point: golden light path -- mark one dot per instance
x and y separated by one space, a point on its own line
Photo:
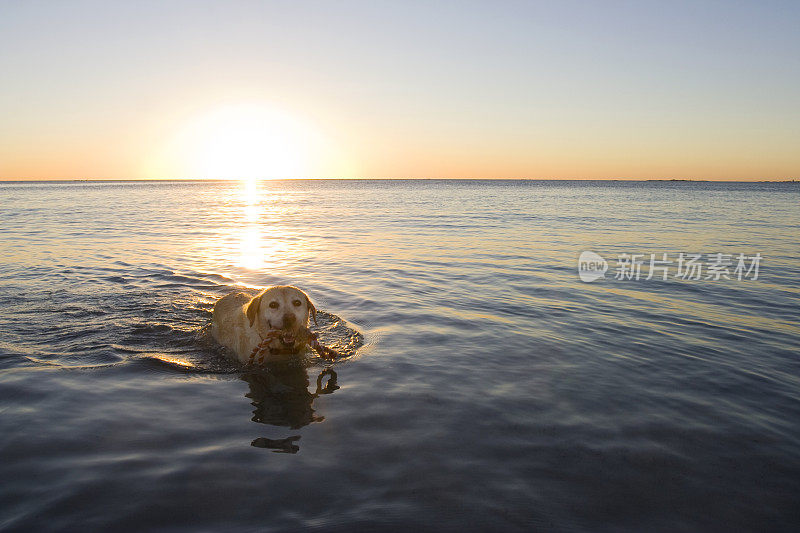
262 241
246 232
252 249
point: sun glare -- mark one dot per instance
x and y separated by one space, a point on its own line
247 141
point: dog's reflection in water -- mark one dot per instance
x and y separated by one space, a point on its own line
280 395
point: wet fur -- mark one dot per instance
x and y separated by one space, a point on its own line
240 321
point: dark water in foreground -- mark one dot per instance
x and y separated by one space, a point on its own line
486 388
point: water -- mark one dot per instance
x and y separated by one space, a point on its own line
485 388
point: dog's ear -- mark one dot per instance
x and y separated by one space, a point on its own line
311 309
252 308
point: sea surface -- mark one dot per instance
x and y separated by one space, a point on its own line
482 385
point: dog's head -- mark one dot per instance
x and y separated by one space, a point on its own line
282 308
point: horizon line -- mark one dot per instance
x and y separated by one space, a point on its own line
728 180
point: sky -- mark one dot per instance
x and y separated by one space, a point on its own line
404 89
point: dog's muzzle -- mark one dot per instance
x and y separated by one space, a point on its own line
288 332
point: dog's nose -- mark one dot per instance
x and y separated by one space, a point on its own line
288 320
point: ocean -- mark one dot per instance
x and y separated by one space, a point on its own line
484 385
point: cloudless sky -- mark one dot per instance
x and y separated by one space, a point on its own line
594 89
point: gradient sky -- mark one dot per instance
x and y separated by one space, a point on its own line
596 89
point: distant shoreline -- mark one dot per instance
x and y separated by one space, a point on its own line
210 180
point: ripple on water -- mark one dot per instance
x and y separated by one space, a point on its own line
485 388
169 326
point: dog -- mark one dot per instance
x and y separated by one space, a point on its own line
273 323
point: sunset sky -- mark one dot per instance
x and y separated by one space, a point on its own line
374 89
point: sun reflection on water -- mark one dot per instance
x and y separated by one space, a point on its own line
251 255
251 231
252 251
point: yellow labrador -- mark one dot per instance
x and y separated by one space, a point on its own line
273 324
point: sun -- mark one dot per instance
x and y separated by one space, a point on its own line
244 141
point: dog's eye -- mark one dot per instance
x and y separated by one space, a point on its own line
297 303
273 305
